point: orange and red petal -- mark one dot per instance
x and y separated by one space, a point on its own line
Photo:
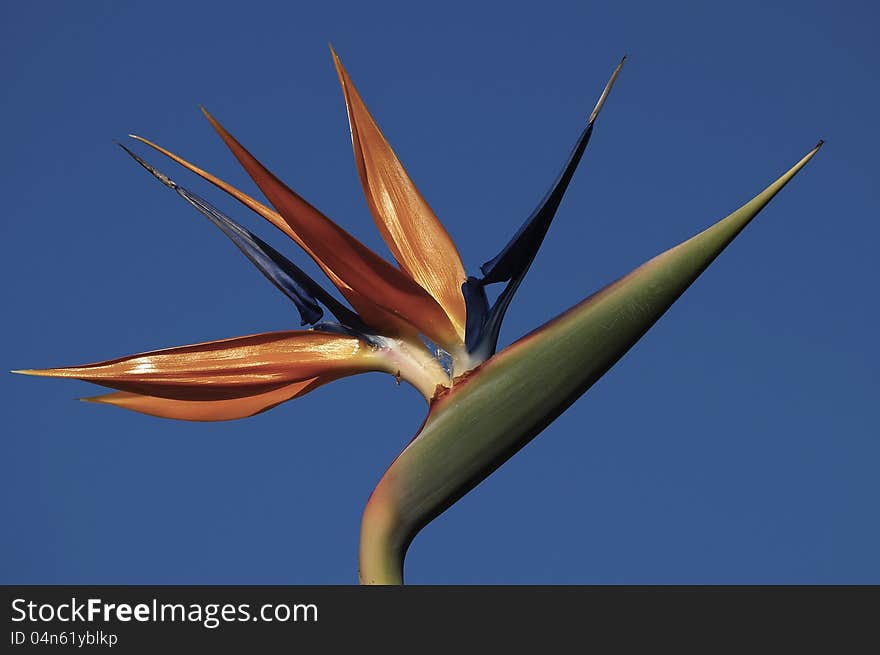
418 241
229 368
208 410
355 264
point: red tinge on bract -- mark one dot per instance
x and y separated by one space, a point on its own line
229 368
418 241
358 266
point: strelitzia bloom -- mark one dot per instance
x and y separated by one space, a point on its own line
425 322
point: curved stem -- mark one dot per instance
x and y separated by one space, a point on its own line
381 553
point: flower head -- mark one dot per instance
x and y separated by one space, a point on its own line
391 312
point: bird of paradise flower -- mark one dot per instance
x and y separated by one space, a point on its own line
426 323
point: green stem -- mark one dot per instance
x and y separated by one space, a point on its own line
381 549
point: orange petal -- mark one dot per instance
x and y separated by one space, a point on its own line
416 238
372 314
229 368
208 410
358 266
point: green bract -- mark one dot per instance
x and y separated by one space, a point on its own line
500 406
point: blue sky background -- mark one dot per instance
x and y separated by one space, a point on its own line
737 443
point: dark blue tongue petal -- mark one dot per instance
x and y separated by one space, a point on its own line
515 258
513 262
477 306
280 271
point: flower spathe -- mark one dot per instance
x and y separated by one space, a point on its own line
392 309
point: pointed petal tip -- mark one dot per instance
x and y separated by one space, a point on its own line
606 91
340 71
40 372
810 154
215 123
143 140
130 153
207 114
164 179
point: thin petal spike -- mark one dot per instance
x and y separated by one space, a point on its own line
360 268
285 274
269 214
418 241
280 271
515 258
607 90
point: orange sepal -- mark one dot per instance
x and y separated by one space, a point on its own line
229 368
208 410
358 266
418 241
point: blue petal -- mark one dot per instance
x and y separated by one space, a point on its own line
274 266
515 259
488 342
519 252
477 306
280 271
513 262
